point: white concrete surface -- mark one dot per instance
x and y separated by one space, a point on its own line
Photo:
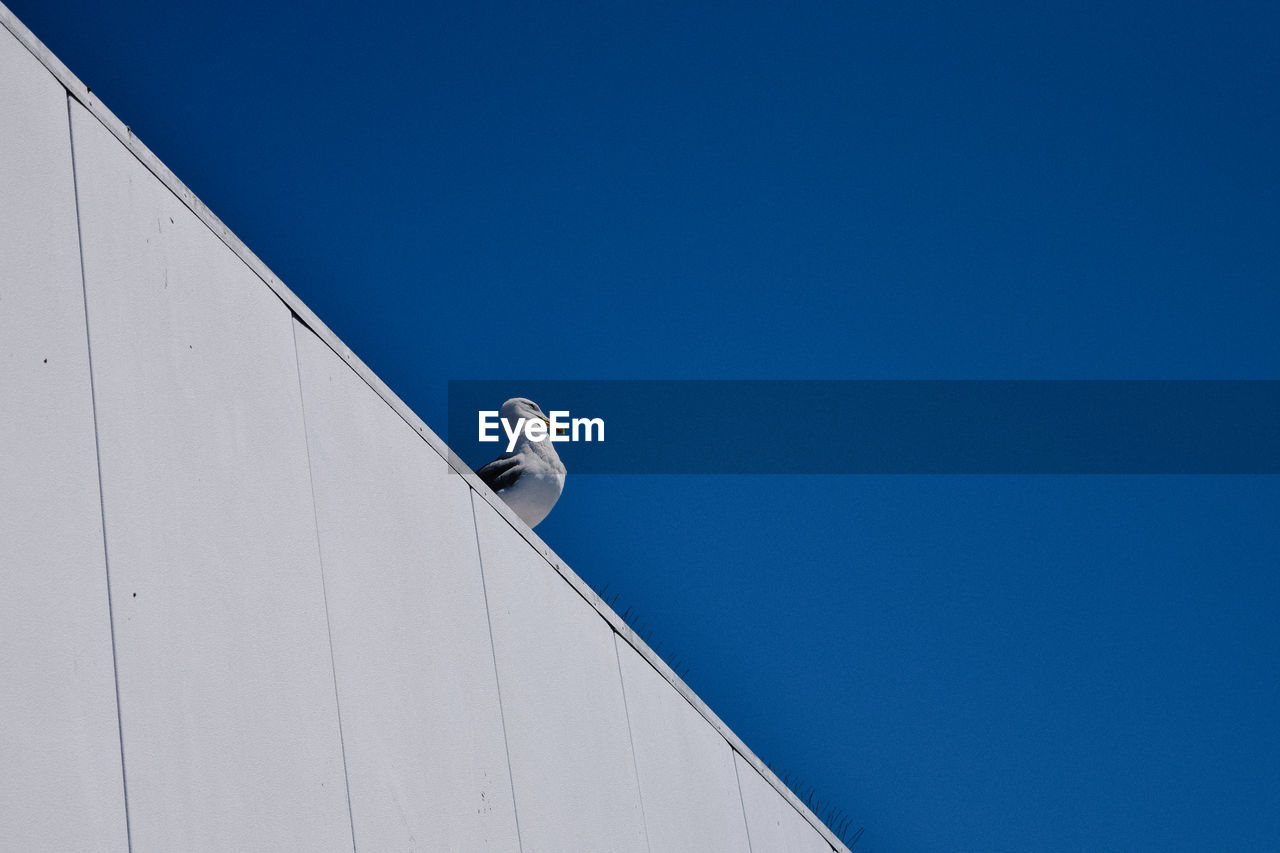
80 93
61 786
774 824
566 721
239 684
426 756
227 700
687 781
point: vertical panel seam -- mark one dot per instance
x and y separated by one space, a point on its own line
733 755
493 651
97 450
324 592
631 740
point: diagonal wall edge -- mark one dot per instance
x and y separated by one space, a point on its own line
79 92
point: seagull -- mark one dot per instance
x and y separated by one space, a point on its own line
529 479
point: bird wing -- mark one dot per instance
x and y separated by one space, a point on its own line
501 472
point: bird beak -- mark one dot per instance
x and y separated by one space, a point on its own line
547 421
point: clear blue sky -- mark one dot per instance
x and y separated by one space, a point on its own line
904 190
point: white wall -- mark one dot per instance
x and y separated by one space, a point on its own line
566 721
227 704
249 603
61 788
685 768
419 695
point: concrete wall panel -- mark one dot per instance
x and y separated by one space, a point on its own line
562 701
773 824
61 788
416 684
247 605
687 781
230 724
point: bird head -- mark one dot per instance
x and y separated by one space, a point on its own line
522 407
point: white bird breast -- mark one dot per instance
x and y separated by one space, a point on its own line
533 494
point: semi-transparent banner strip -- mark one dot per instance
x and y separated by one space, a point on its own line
880 427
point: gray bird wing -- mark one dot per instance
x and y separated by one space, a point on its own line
501 472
